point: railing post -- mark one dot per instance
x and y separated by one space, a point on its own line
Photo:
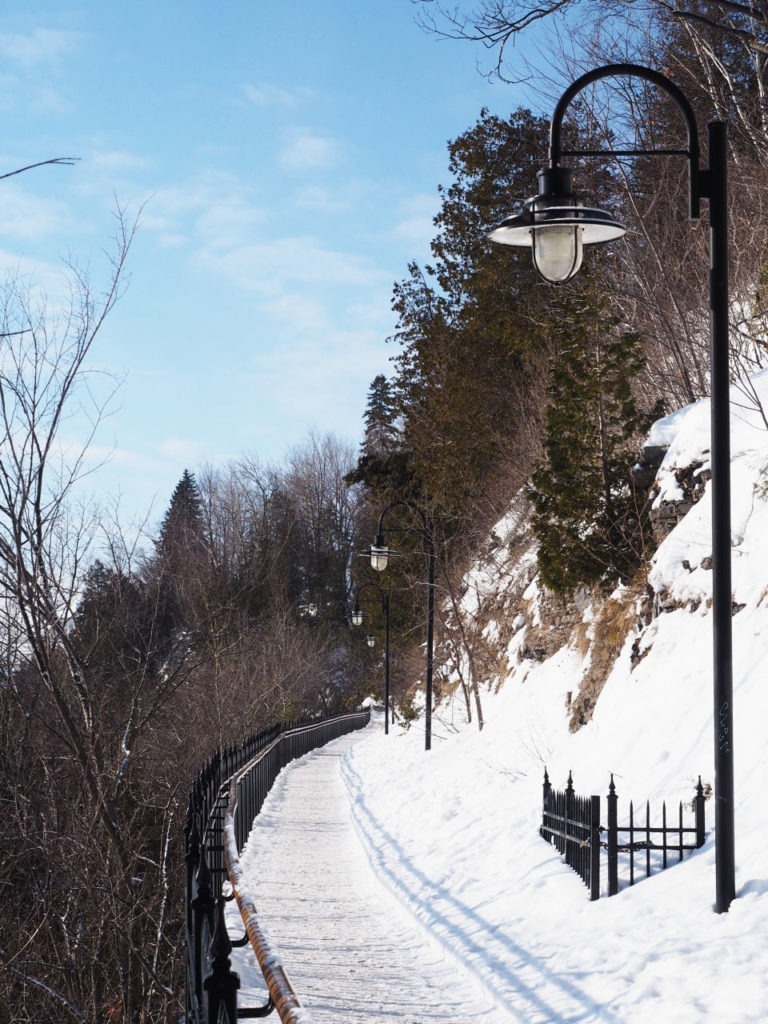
700 815
191 858
569 816
202 910
613 840
214 991
222 983
546 791
631 842
594 848
191 861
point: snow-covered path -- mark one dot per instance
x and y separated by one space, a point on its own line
353 954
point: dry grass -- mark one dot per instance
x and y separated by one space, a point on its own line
615 621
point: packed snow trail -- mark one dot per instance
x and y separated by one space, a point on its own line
352 953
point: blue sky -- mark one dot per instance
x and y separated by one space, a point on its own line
287 157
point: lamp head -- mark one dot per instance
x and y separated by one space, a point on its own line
357 615
556 226
370 640
379 553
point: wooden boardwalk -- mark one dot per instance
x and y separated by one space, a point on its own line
353 954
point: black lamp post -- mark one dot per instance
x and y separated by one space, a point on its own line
380 554
357 620
556 226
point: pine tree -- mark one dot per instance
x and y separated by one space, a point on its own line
380 418
469 339
591 525
180 556
181 532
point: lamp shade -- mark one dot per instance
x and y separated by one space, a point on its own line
379 553
556 226
357 616
370 640
558 252
379 558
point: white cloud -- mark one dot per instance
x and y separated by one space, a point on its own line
229 217
294 263
320 200
183 450
117 161
29 61
306 150
338 196
264 94
41 47
414 219
45 99
216 209
45 279
319 376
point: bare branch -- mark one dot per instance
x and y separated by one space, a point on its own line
64 161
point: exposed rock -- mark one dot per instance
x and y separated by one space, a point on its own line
644 471
691 481
615 619
558 616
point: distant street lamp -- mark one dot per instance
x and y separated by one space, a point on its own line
357 620
556 226
380 553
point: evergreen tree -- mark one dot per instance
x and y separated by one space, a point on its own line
181 532
591 525
180 557
470 341
110 621
380 419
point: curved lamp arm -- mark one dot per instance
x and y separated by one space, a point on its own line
357 612
649 75
379 551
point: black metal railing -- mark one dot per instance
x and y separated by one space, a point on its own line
227 795
572 824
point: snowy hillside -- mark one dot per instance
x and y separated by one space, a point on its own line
465 815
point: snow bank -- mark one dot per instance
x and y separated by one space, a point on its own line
465 815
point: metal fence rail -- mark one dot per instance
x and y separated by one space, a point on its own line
228 794
653 845
572 824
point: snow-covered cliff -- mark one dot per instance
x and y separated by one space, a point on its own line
605 685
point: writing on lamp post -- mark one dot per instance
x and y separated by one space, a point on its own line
557 226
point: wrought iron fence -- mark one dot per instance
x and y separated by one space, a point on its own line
227 795
572 824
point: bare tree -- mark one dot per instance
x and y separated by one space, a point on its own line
717 53
86 844
497 24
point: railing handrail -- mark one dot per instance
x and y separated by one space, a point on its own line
281 991
214 840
